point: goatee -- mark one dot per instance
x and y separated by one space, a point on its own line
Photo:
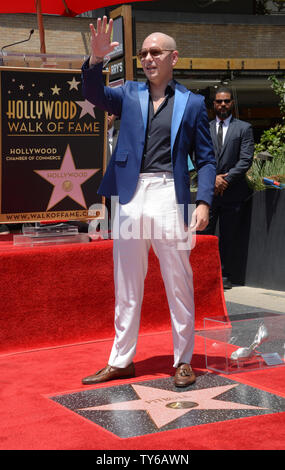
224 113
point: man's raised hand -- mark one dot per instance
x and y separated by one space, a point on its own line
101 44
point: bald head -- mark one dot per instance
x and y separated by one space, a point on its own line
161 39
158 67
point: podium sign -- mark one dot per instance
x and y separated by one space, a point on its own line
53 147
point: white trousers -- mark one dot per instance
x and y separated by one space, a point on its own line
151 218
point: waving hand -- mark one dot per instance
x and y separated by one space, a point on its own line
101 44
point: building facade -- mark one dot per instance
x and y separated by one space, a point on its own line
221 42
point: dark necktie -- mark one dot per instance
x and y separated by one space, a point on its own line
220 136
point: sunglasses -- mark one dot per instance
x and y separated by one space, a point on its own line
227 101
154 52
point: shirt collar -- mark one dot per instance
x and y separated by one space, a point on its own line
170 88
226 121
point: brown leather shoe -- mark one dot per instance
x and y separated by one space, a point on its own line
184 376
110 373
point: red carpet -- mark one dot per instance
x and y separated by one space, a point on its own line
59 295
30 420
54 296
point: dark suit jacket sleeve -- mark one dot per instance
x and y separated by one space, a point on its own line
245 155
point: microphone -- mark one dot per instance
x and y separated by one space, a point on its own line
18 42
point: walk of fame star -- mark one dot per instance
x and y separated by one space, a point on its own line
155 401
67 180
157 405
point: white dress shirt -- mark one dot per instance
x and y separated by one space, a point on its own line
226 123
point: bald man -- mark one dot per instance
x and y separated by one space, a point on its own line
161 124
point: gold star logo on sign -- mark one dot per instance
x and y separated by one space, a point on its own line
55 90
73 84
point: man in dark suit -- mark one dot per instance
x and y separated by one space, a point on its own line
234 147
161 122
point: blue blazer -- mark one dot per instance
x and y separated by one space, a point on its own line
189 133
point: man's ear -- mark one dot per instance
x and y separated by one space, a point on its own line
174 58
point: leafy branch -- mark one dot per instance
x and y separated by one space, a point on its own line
272 141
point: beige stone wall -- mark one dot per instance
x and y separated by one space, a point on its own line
71 36
62 35
229 40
